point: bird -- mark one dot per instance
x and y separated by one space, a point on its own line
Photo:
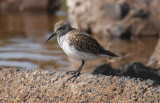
78 45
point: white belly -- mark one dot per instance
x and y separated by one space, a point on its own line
74 53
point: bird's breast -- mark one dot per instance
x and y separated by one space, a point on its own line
70 50
64 42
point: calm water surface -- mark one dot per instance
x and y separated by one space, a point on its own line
22 44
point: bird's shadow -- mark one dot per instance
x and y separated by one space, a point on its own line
136 70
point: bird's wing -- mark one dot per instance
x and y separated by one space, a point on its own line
86 43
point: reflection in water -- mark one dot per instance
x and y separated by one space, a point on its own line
29 56
19 64
22 45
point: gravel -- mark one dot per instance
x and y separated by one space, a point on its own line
37 85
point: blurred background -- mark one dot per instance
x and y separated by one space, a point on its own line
129 28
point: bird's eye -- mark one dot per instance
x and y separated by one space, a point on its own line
60 28
64 28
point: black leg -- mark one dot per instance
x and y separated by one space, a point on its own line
77 72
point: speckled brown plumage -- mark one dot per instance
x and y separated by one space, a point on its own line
86 43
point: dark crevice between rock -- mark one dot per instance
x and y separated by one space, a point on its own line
125 8
136 70
89 31
120 31
78 3
141 14
52 6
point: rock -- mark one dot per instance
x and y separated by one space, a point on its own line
34 4
116 11
136 70
12 5
119 17
21 5
155 13
55 88
154 60
140 14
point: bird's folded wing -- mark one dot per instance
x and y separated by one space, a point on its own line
86 43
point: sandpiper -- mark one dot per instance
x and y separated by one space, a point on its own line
78 45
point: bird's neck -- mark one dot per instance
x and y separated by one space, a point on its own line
67 31
70 29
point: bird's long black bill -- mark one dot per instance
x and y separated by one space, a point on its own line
51 36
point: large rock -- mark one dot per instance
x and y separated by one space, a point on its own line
155 57
21 5
120 18
51 86
155 10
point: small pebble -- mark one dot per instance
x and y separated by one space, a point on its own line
86 101
89 90
52 73
97 81
35 72
92 97
61 98
108 101
110 82
37 97
149 82
99 75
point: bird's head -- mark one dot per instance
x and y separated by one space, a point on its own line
60 29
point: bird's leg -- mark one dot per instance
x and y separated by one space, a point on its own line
77 72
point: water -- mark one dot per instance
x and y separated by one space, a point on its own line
22 44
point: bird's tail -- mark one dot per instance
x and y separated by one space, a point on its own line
110 53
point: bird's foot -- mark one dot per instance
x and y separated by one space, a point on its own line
75 75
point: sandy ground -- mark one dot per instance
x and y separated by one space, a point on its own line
37 85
